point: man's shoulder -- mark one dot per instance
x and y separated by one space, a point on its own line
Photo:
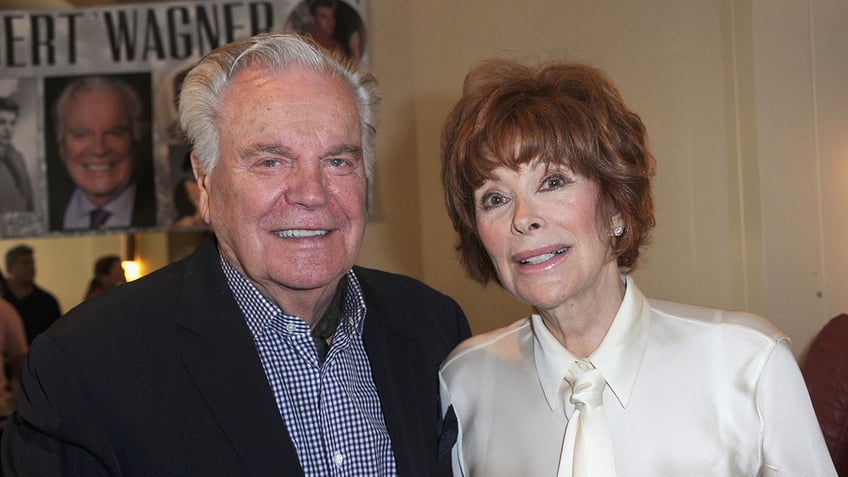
395 283
15 155
124 309
43 294
403 299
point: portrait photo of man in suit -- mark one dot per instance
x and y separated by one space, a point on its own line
16 192
100 166
267 352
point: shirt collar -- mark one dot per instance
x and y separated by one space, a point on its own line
77 215
259 311
618 357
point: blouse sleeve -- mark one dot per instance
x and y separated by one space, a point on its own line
792 442
451 419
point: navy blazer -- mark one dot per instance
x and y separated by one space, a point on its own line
161 377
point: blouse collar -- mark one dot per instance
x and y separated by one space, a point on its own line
618 357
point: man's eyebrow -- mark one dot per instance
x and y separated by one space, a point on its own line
341 149
259 149
283 151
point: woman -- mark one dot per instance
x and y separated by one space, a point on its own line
108 273
547 179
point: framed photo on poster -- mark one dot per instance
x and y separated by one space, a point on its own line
96 141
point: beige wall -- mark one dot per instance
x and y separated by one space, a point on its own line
745 105
800 70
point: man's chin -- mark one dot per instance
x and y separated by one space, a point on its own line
102 195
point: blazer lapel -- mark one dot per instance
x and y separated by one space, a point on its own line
219 353
390 351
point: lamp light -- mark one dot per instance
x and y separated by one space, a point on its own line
132 261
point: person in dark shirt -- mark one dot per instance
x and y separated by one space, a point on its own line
37 307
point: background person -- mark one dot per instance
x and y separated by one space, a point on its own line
547 180
323 13
333 24
186 197
99 127
15 186
13 350
108 273
37 307
273 353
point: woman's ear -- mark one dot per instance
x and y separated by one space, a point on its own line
616 225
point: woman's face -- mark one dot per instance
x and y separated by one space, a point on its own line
541 229
117 275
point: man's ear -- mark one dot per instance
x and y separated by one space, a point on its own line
203 186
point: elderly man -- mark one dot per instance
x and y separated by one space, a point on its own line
266 352
99 129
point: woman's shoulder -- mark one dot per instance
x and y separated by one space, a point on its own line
717 318
495 342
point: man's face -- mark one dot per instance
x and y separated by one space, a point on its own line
287 196
22 269
97 144
7 127
325 19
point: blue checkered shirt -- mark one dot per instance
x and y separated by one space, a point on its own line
332 412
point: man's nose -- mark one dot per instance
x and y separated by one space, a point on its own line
306 186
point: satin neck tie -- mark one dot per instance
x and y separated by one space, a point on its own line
586 447
98 218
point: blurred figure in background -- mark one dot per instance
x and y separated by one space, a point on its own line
324 25
13 349
38 308
15 186
108 273
186 196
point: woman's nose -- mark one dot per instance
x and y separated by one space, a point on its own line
525 218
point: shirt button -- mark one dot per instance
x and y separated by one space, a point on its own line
338 458
291 327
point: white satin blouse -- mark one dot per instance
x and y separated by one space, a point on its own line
692 391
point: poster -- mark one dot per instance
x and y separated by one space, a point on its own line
89 138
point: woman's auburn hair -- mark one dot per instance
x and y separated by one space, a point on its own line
561 114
